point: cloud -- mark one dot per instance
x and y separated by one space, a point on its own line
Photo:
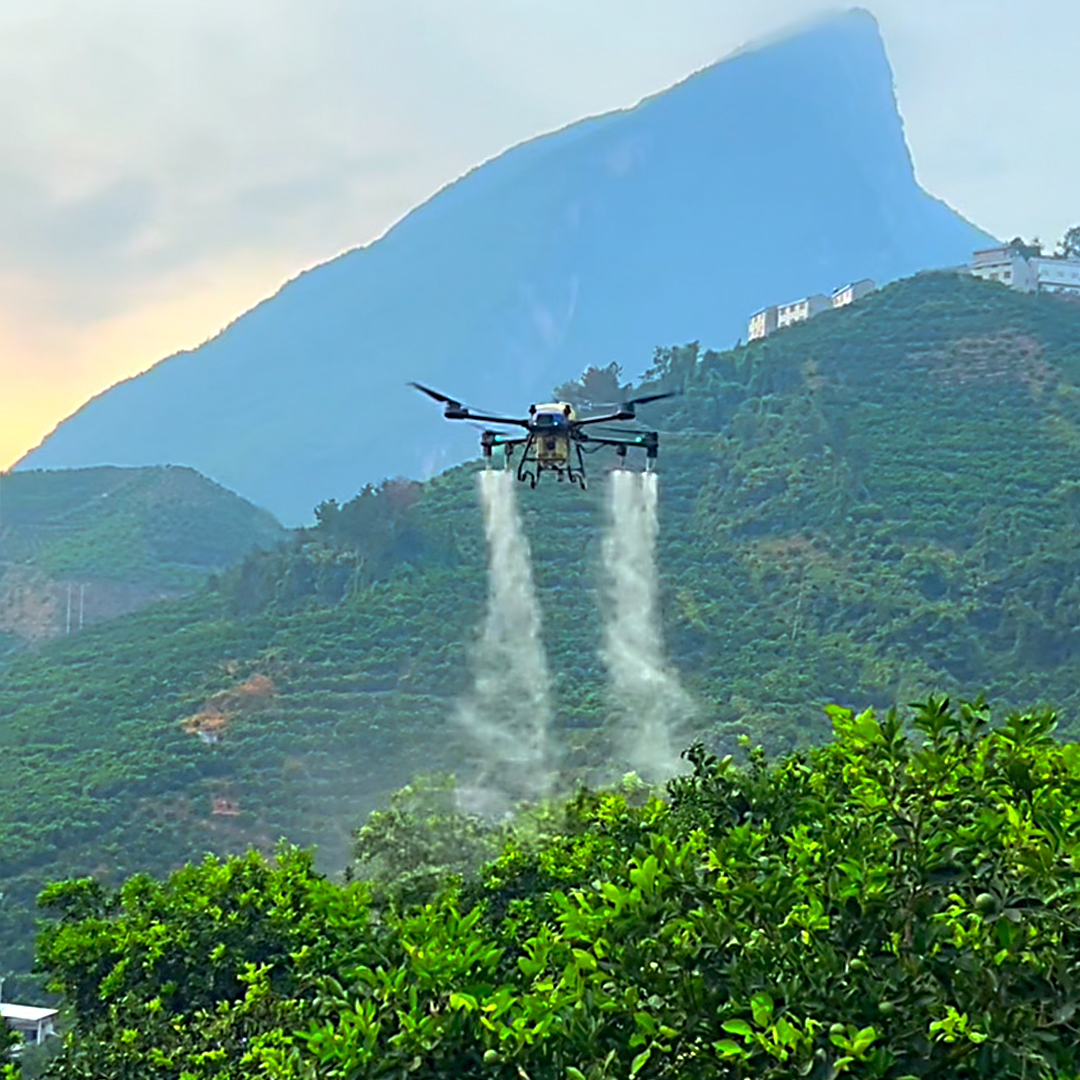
136 140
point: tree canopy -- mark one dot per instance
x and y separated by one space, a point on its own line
1070 243
902 902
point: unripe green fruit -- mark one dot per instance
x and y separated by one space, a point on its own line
985 902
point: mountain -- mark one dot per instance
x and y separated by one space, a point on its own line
779 172
862 509
78 546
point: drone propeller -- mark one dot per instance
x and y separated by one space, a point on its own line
626 410
435 394
646 399
456 411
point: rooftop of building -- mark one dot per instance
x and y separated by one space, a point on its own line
27 1013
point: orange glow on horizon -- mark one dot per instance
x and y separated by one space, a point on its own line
47 374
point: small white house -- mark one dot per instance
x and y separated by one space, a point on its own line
34 1024
848 294
762 323
1027 272
800 310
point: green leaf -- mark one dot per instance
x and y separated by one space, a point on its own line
762 1007
728 1049
640 1061
863 1040
585 960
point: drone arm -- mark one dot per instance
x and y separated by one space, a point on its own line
466 415
649 441
627 410
606 419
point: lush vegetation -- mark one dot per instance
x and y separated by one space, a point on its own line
154 525
902 902
109 540
862 509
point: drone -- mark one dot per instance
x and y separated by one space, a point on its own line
555 439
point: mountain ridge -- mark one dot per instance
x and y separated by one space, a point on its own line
778 172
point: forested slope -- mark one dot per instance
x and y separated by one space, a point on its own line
860 509
113 539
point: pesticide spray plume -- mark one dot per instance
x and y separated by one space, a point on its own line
508 712
652 707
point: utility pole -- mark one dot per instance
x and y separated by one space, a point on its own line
68 630
82 598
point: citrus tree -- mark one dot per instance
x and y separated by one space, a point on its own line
902 902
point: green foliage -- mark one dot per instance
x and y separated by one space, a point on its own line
8 1042
597 386
902 902
1069 247
423 838
878 503
350 547
157 526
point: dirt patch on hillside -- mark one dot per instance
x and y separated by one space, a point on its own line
255 694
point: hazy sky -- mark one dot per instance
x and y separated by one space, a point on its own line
164 164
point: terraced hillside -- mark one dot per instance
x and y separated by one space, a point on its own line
883 501
79 546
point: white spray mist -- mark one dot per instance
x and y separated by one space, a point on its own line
508 712
652 705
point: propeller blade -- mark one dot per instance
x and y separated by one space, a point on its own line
647 398
456 411
629 406
435 394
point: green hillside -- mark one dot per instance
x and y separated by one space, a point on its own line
114 538
861 509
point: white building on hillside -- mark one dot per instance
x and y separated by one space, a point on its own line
1058 275
800 310
1027 272
764 322
34 1024
848 294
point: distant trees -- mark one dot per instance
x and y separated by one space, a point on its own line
597 386
1069 247
8 1041
1026 249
